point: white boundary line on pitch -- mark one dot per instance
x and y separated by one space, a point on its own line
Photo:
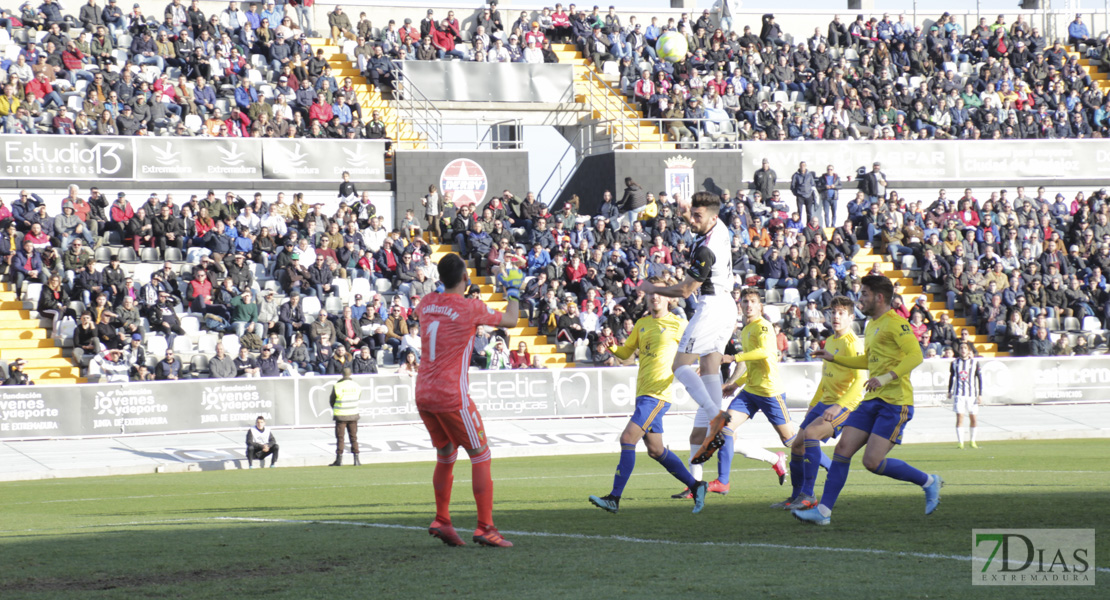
461 480
634 540
545 534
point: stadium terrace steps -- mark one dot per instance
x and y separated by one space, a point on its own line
538 345
905 286
21 336
602 93
402 132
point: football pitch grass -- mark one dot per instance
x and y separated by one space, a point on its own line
361 532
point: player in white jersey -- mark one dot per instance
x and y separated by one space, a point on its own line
703 343
965 390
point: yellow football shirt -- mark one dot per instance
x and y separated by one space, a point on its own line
657 341
890 347
841 385
761 357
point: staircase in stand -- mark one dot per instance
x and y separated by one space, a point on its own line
21 336
538 345
904 286
626 124
402 132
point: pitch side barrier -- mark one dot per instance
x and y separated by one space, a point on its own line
90 410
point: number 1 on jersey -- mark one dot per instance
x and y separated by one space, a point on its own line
432 329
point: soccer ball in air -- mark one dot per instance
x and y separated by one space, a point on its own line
672 47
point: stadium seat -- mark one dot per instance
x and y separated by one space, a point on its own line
311 307
103 254
149 255
1071 324
791 296
191 325
182 345
1091 324
909 262
156 345
173 255
199 363
773 313
127 255
193 123
143 271
383 286
360 285
342 288
334 305
206 342
231 344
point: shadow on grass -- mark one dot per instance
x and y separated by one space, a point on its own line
194 554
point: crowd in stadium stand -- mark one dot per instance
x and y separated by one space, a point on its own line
875 78
237 73
301 291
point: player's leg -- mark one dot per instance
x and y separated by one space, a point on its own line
646 409
959 425
442 478
727 451
972 417
673 464
685 368
775 409
702 342
851 440
814 458
887 433
472 437
797 455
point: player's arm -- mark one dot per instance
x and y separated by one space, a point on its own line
630 345
511 316
951 378
764 347
701 266
911 357
978 383
682 289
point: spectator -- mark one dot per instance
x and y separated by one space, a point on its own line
169 368
114 365
222 366
16 376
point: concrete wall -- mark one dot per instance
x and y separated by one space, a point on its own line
415 170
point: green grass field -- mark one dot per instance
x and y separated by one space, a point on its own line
360 532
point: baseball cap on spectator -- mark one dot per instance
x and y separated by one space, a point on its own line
294 256
135 5
1074 248
121 195
137 336
408 21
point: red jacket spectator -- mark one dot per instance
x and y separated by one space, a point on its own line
122 215
238 124
39 88
444 40
409 35
321 111
72 59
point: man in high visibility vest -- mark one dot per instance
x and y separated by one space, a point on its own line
344 406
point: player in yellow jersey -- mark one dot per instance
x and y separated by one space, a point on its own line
891 353
837 395
762 391
656 338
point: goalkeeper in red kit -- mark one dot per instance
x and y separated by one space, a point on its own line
449 322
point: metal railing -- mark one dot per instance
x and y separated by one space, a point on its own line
426 117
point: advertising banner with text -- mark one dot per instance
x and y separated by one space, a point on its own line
209 160
220 404
940 160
